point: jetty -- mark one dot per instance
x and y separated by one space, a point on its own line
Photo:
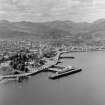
50 65
34 71
66 57
64 73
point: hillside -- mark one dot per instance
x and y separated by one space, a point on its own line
66 32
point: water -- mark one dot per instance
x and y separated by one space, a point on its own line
84 88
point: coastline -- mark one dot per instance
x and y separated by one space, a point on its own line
85 49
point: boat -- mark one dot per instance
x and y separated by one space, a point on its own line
64 73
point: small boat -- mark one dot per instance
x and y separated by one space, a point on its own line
65 72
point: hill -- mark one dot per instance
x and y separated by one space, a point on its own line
66 32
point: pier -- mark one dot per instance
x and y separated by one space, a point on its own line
35 71
50 65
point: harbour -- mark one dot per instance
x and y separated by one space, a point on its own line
33 71
84 88
52 52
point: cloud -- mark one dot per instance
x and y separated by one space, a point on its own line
43 10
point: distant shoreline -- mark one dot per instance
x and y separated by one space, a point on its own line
86 50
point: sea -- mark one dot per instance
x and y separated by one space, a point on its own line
83 88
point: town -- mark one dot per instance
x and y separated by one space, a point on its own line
23 59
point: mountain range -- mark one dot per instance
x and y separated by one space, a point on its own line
66 32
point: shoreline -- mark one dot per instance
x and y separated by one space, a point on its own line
87 50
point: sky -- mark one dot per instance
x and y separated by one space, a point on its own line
50 10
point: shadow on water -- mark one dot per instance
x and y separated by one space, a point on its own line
8 81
